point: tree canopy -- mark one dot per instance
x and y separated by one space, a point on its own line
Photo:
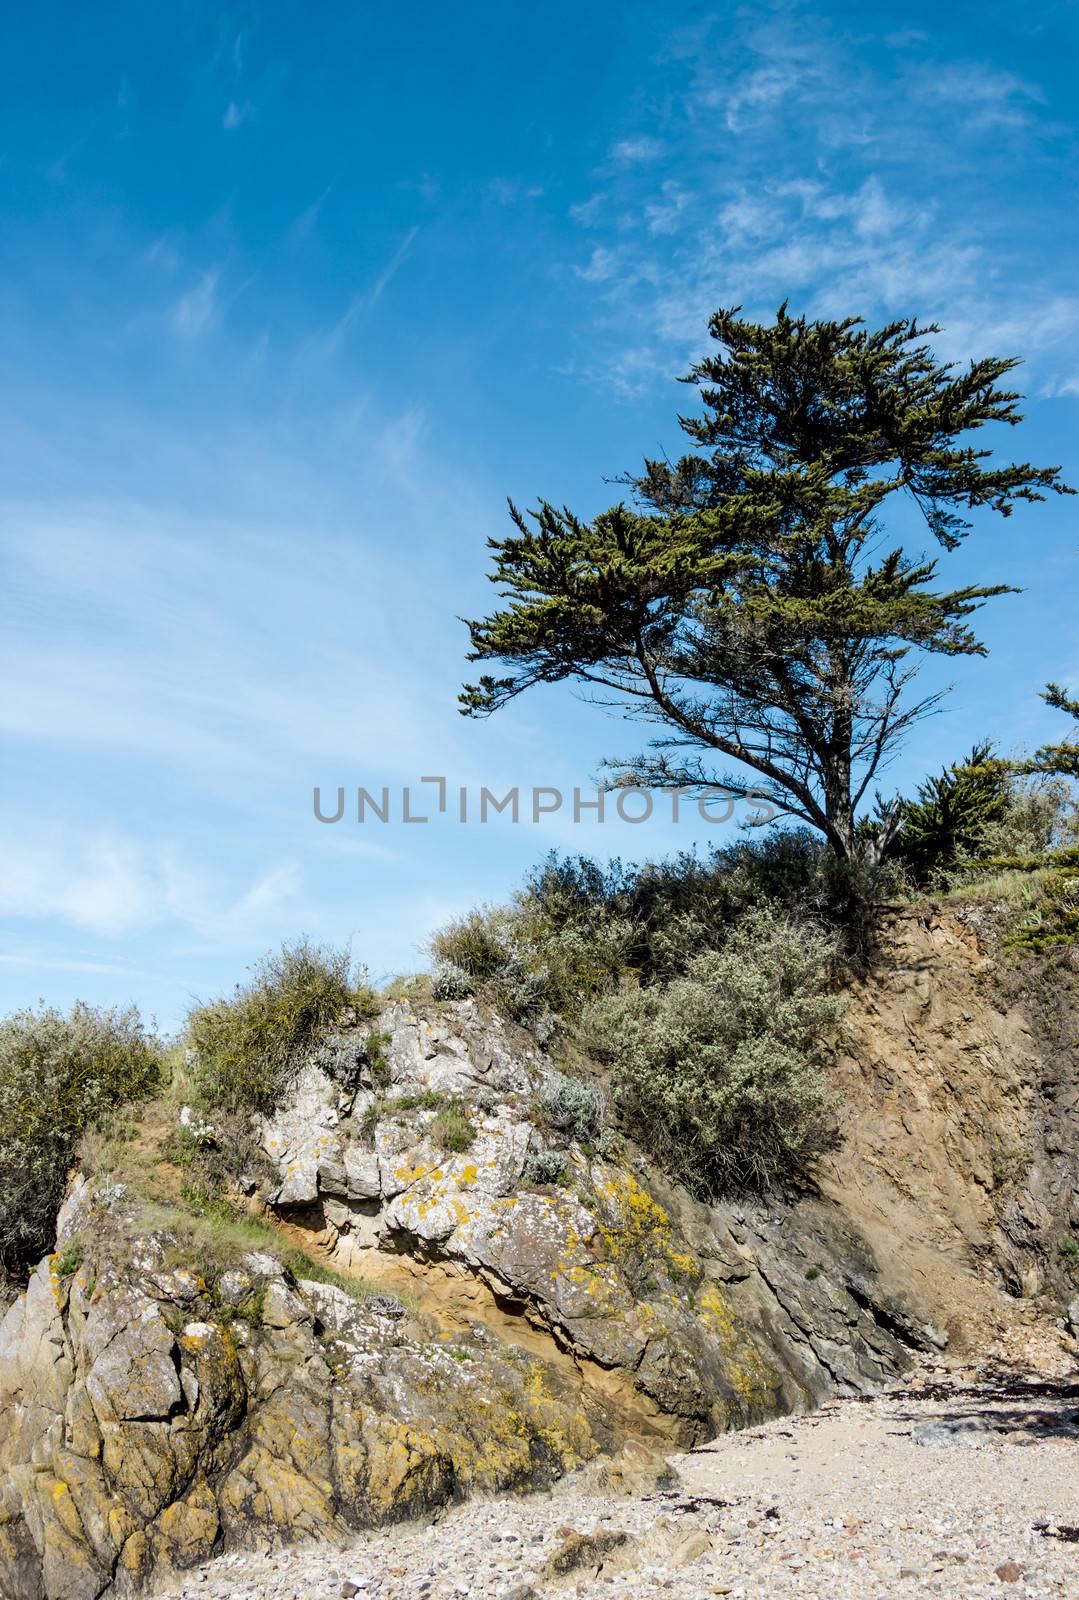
749 599
1062 759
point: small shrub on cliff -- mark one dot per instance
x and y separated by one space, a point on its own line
355 1058
452 1128
533 964
543 1167
450 982
59 1075
383 1106
249 1045
719 1073
569 1107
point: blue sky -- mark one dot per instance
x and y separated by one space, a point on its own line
292 297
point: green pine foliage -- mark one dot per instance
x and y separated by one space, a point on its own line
952 817
1062 759
750 604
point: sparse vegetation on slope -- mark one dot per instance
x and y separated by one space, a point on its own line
701 986
59 1075
249 1044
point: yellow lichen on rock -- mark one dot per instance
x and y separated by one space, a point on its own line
640 1228
744 1367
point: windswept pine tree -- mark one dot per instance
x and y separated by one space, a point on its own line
750 600
1061 759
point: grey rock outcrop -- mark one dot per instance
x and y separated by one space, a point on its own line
706 1315
148 1417
157 1405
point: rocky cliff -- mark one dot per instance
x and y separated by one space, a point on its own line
532 1302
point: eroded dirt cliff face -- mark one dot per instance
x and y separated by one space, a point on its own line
151 1413
959 1071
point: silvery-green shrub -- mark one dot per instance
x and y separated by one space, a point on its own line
451 982
719 1072
569 1107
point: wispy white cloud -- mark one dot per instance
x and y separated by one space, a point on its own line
601 266
861 189
39 960
983 96
163 252
304 224
744 102
587 212
235 113
665 215
113 886
635 151
365 302
512 191
390 270
195 310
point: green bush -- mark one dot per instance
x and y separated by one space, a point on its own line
718 1073
59 1075
355 1058
249 1046
391 1105
70 1258
1053 919
535 967
452 1128
543 1167
569 1107
451 982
